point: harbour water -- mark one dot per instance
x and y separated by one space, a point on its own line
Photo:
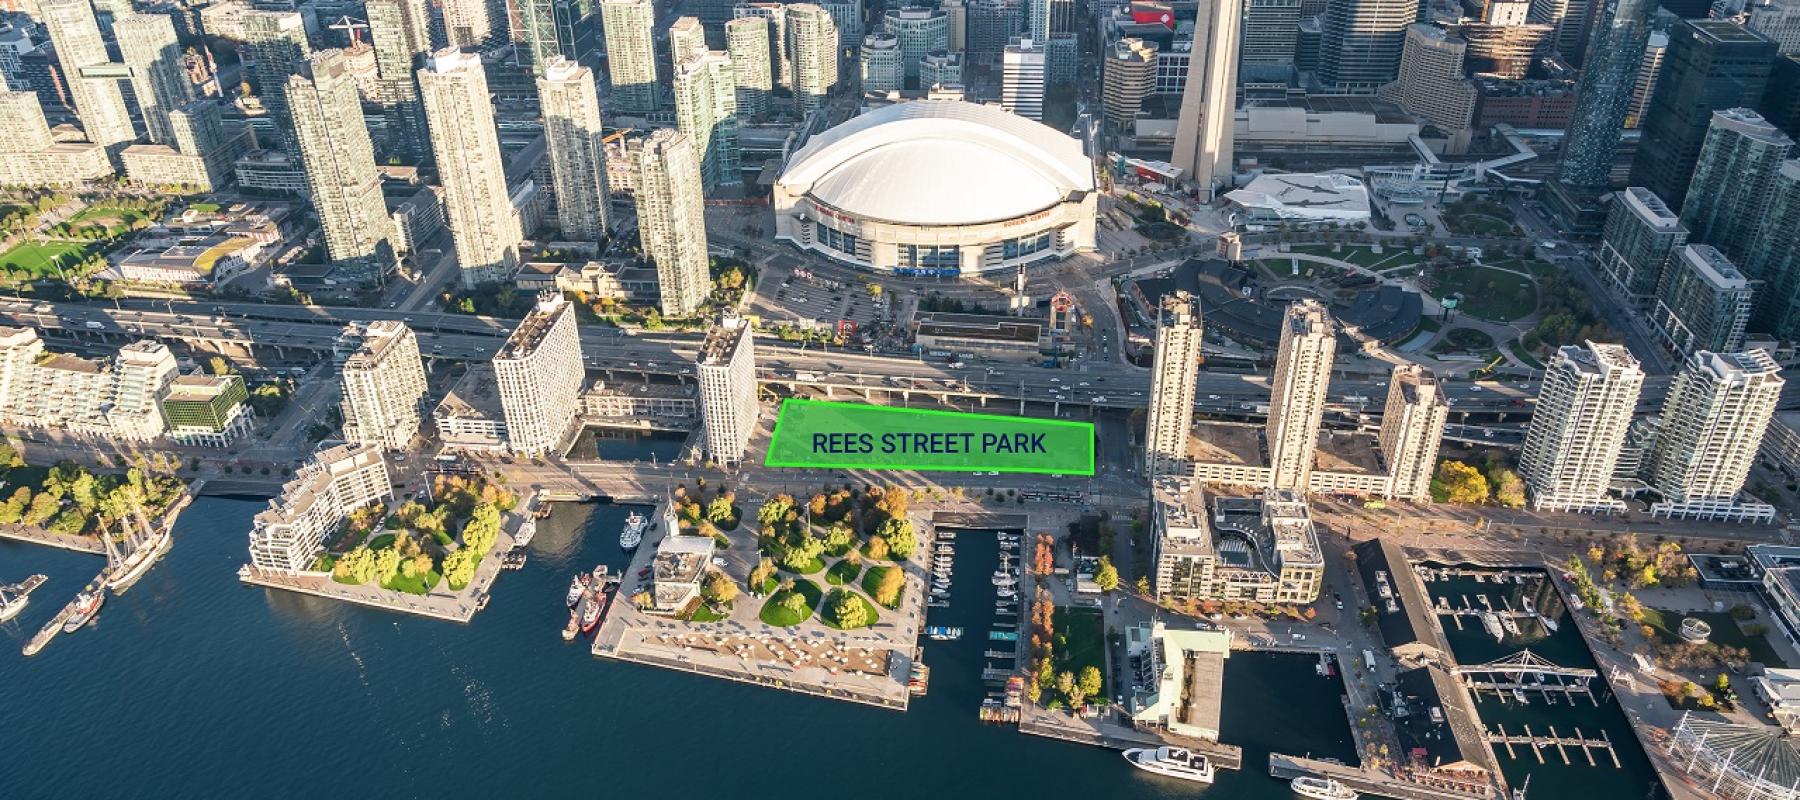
627 444
1635 779
193 685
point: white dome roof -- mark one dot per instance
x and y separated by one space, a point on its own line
939 162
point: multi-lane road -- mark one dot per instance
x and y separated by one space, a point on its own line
297 334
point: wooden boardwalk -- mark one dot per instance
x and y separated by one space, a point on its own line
37 535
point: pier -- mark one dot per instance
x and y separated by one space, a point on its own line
1562 744
55 626
65 541
1402 786
1527 672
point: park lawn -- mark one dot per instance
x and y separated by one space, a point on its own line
382 542
705 613
830 619
205 208
1488 293
773 614
1085 633
115 219
1517 348
418 584
843 573
324 562
872 579
1274 269
810 568
1725 631
1395 260
41 260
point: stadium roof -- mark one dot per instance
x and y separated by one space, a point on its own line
940 162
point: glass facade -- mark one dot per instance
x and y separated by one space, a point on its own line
1025 245
837 240
930 256
1603 93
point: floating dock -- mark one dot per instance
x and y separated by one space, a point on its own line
55 625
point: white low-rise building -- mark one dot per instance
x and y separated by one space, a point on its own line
288 537
1300 197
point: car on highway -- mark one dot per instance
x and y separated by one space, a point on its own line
1084 383
1099 398
1212 397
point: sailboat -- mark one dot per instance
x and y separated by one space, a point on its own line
127 568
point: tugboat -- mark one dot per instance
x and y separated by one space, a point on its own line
573 628
1174 762
87 604
633 532
590 611
1322 788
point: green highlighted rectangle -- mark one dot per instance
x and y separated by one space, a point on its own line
821 434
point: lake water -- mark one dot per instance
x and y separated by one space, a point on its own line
193 685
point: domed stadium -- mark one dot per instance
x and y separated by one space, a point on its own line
938 187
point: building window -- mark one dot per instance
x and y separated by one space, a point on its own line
837 240
1025 245
930 256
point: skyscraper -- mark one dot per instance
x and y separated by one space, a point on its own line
1297 393
881 62
277 40
1578 427
687 37
940 68
75 35
148 46
1362 41
575 141
471 24
1203 136
547 29
672 218
1640 237
477 203
1412 428
1271 32
1649 69
1172 379
1022 78
1775 257
727 376
630 54
747 42
812 46
1729 195
774 15
339 160
706 112
1571 21
1431 83
920 29
1127 76
400 34
1711 65
1713 421
539 373
383 384
1704 302
1603 95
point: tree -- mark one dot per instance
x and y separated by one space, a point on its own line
888 585
849 610
760 575
1143 585
1457 482
795 603
719 588
1089 680
898 533
1107 576
218 366
1509 489
802 555
837 537
719 510
1629 606
878 547
775 510
459 567
1065 682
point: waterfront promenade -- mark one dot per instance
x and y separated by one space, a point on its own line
440 603
868 665
36 535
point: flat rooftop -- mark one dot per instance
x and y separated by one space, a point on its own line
1219 443
531 331
977 326
477 394
1349 452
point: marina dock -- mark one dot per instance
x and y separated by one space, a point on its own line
42 639
1561 743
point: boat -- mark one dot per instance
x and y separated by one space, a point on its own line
87 604
1491 622
1321 788
1519 695
1005 592
1510 625
132 567
1173 762
939 591
1005 578
573 628
947 535
633 532
577 585
1529 608
590 611
598 578
13 597
1549 624
942 633
1519 793
527 531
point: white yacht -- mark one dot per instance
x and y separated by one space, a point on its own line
1321 788
1174 762
633 532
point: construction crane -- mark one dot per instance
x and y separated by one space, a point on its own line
350 26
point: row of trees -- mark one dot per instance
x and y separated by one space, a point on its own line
478 537
1624 559
1459 482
